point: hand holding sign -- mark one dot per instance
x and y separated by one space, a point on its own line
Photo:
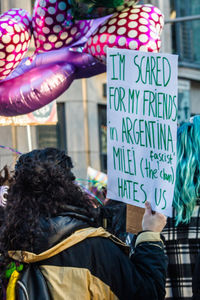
154 222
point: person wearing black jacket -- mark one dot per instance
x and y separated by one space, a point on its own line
50 227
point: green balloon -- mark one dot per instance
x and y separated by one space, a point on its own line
87 9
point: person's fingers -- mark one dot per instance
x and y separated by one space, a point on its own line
147 204
163 218
147 208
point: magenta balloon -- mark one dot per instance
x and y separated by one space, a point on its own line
90 66
15 35
34 89
81 61
41 78
135 28
95 24
30 87
49 25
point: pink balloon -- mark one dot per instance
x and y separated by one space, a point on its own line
42 77
137 28
15 35
34 89
31 86
50 27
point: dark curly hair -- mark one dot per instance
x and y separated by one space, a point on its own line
42 186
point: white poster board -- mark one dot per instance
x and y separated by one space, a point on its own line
142 127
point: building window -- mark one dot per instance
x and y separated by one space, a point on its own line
183 101
53 135
103 136
104 90
185 34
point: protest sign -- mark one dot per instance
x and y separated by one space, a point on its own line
142 127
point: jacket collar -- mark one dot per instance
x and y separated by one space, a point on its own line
54 230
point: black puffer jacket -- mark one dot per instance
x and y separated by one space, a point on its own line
83 262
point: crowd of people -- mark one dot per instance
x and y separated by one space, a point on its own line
53 246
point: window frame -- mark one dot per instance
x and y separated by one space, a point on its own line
183 62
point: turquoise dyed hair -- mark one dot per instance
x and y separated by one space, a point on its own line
187 186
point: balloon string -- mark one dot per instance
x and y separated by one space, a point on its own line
88 180
11 149
91 194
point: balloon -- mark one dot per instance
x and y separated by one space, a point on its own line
15 35
68 51
43 83
49 28
138 28
97 8
48 76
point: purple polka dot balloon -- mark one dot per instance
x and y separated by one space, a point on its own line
136 28
15 35
50 27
